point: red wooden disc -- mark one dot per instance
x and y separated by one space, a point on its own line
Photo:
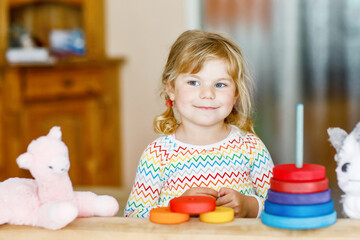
299 187
290 173
192 204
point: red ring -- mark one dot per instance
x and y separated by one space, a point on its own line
192 204
290 173
299 187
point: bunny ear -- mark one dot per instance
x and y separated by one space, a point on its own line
356 132
24 160
55 132
337 137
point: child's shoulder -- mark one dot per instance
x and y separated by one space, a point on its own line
163 142
158 150
238 132
248 138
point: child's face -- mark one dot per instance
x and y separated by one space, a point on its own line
207 97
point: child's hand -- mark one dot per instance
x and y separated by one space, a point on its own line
244 206
201 191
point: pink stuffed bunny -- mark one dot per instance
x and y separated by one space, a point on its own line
48 200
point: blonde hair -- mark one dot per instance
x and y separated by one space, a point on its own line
187 55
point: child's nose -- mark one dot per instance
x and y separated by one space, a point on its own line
207 92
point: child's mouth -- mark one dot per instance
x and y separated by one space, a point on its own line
206 108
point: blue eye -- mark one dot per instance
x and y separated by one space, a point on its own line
220 85
193 83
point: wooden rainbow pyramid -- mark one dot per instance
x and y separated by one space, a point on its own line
299 197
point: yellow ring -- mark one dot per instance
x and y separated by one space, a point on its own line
220 215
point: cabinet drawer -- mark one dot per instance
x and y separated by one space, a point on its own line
46 83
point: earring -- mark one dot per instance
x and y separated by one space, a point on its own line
169 103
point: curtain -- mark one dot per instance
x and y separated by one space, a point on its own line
298 51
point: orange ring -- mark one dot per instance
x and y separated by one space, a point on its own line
163 215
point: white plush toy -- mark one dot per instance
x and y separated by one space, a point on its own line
48 200
348 167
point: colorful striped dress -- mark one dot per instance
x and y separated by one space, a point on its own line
169 167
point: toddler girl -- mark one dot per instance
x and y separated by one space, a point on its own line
208 146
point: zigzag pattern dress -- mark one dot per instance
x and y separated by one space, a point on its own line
169 167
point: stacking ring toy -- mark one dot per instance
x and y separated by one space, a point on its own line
299 210
290 173
299 198
298 223
192 204
220 215
299 187
163 215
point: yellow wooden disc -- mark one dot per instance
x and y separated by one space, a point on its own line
220 215
163 215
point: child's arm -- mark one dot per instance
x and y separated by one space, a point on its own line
148 183
261 166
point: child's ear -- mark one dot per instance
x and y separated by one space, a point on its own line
236 97
170 91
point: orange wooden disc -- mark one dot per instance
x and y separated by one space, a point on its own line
163 215
290 173
299 187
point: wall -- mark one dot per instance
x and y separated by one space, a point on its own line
142 31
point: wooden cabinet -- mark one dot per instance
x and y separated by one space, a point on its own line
79 94
82 98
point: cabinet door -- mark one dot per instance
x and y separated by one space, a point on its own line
2 160
80 122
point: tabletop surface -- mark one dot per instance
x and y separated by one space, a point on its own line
101 228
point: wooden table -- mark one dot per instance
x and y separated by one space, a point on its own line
120 228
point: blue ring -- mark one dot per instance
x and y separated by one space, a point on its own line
312 210
298 223
299 198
